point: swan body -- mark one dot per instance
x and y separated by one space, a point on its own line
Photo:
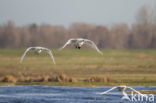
78 42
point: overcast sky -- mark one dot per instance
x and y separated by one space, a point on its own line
66 12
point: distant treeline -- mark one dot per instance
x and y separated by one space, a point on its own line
141 34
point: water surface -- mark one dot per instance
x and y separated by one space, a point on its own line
62 94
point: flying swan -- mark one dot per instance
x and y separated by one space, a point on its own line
123 87
38 50
78 42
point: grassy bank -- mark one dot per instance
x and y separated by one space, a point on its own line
128 67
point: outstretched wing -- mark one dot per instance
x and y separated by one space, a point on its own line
67 43
50 53
25 53
136 91
93 45
107 90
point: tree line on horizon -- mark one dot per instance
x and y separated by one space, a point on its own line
139 35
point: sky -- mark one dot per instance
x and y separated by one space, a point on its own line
66 12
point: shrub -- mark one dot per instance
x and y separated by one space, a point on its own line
61 78
73 80
51 79
58 79
41 79
112 80
21 79
64 77
97 79
28 79
8 78
101 79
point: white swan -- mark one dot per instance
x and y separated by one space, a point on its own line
78 42
123 87
38 50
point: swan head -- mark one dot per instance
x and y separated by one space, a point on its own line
122 87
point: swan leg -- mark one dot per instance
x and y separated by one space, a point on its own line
79 47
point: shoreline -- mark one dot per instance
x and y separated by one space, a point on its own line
77 84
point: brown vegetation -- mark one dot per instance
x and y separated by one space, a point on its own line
65 78
144 92
141 34
148 91
62 77
44 78
100 79
58 78
144 56
73 80
8 78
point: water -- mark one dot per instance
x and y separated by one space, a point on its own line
62 94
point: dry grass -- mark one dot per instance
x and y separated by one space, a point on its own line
148 91
101 79
145 56
45 78
63 77
28 79
8 78
73 80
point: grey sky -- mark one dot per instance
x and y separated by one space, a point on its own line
66 12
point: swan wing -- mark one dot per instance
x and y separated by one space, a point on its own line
93 45
67 43
22 57
135 91
50 53
107 90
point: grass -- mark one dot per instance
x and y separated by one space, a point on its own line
128 67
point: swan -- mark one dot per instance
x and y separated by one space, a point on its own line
123 87
78 42
38 50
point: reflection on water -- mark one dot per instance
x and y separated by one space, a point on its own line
61 94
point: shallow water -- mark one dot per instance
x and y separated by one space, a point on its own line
62 94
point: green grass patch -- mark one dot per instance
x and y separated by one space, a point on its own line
129 67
